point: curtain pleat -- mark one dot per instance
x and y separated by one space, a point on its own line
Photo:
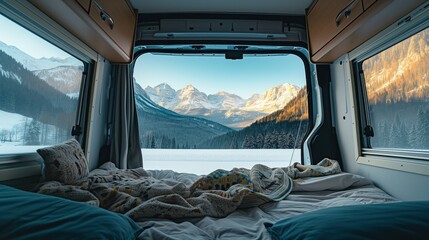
125 149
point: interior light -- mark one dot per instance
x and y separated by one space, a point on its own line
219 35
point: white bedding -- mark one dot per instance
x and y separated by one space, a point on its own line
308 195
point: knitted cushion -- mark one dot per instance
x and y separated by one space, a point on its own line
64 162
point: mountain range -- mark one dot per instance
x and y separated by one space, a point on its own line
34 64
158 124
223 107
62 74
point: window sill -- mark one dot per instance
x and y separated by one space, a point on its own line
406 165
15 166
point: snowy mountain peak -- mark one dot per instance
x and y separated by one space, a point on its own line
273 99
189 88
162 94
163 86
66 79
191 98
164 89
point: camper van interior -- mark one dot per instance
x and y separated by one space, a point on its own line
137 119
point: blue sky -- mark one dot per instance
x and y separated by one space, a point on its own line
26 41
212 74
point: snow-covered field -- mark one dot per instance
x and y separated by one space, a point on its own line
8 120
16 147
204 161
198 161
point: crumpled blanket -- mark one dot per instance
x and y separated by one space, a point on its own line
134 192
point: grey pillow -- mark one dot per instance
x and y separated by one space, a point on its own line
64 162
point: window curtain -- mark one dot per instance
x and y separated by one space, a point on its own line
125 149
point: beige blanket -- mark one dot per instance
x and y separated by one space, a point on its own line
136 193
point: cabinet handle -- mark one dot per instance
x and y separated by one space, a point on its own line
105 16
347 11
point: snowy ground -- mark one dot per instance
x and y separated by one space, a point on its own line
16 147
204 161
198 161
8 120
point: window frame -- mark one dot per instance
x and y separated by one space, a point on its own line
300 52
408 160
24 14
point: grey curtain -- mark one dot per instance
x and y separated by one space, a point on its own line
125 149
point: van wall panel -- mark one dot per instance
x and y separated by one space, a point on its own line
98 111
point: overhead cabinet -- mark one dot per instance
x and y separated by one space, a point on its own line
106 26
323 24
337 27
116 19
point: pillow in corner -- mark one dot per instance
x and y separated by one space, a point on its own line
64 162
398 220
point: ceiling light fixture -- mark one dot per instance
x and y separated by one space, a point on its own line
219 35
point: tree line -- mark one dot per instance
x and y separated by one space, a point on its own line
151 140
34 133
281 135
403 134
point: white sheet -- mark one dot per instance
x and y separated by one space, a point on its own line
309 194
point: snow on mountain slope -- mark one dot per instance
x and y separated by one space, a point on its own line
190 98
66 79
8 74
225 101
34 64
163 95
233 118
273 99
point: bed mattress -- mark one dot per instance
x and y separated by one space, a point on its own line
308 194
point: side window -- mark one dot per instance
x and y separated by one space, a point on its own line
39 90
396 85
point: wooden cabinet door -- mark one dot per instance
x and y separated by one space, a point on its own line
327 18
117 19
